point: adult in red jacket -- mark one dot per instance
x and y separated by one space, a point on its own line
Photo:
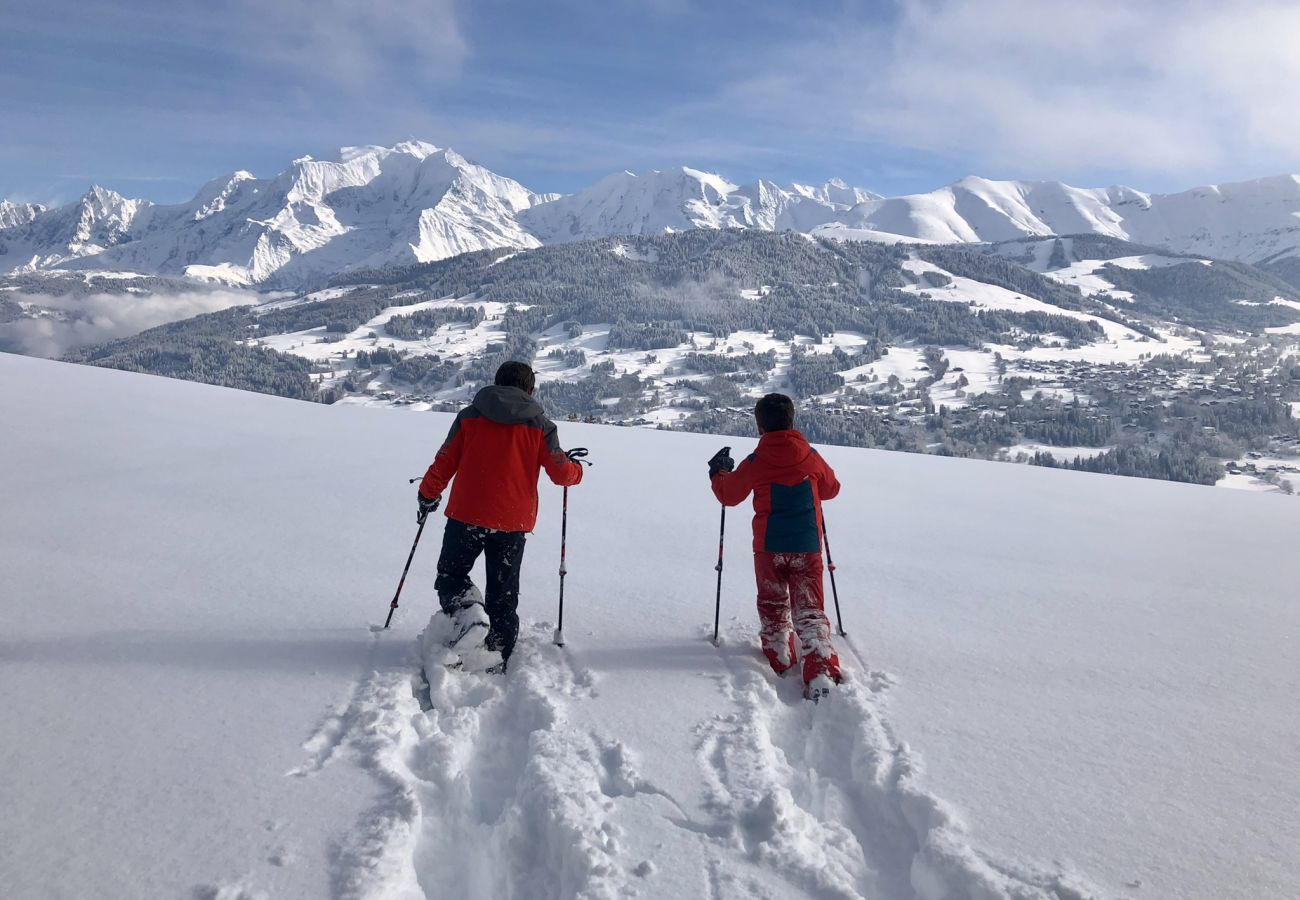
789 480
496 449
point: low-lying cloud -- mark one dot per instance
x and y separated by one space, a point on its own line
63 323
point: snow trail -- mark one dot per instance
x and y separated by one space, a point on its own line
490 789
518 799
829 799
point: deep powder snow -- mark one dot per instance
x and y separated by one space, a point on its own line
1063 685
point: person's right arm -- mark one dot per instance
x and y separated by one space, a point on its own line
445 464
731 488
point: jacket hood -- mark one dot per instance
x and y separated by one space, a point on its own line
507 405
783 448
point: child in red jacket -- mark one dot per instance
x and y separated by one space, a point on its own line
789 480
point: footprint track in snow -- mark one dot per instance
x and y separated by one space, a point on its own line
491 791
486 788
333 730
825 797
522 803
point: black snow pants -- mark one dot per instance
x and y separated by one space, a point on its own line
461 546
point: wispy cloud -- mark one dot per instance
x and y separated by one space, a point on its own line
892 94
1049 86
360 45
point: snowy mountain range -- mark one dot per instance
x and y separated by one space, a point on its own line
1252 221
369 207
414 202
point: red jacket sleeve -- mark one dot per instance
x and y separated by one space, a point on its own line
445 463
559 468
731 488
829 485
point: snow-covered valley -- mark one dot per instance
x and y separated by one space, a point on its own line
1063 685
1155 364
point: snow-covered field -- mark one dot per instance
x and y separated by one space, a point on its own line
1062 454
1121 345
1064 685
1086 275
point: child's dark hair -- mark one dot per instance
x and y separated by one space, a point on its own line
775 412
516 374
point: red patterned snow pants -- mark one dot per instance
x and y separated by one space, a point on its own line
791 602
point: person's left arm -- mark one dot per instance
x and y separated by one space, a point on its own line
828 486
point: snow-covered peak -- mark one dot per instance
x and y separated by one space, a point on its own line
674 200
654 203
365 207
709 180
107 202
1251 220
103 217
15 214
220 193
418 149
835 191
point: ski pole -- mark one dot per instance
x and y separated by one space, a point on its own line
577 455
830 565
564 541
393 606
717 603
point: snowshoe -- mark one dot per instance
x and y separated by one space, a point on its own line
819 688
480 659
469 627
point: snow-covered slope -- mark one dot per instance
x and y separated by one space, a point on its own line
1251 221
1090 688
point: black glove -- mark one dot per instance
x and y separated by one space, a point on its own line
426 506
721 462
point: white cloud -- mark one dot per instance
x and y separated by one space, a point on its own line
67 322
1053 85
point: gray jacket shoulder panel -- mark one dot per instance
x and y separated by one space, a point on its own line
468 412
507 405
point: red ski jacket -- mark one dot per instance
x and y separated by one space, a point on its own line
789 480
496 448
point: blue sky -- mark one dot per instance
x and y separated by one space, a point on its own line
154 98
